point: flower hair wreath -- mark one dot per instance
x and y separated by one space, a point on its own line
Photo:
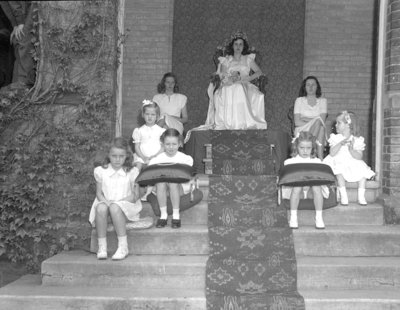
347 117
239 35
147 102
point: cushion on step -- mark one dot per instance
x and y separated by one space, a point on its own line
306 174
170 173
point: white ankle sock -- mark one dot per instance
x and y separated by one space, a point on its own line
361 196
164 214
102 242
123 241
319 222
175 214
343 195
293 213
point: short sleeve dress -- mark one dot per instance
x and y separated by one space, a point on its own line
115 186
149 139
352 169
171 106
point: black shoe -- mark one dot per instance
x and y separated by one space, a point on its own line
161 223
175 223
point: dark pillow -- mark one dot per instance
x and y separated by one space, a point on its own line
306 174
187 201
308 204
171 173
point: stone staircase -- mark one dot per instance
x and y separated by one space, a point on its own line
353 264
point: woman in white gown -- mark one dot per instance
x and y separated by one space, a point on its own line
237 103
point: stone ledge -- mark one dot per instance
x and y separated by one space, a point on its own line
391 208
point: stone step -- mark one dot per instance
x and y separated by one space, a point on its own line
371 193
187 240
196 215
348 273
27 293
353 214
352 299
348 241
80 268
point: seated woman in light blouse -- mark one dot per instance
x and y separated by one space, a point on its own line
310 112
173 111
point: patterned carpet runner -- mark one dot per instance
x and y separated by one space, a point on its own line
252 263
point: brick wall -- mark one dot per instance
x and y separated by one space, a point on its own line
339 49
391 161
391 151
391 124
392 56
147 54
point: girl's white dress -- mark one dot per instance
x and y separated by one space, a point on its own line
302 107
287 190
171 106
353 170
178 158
149 139
115 186
238 105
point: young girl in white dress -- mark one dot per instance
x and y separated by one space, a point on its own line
304 150
345 156
116 195
147 138
171 140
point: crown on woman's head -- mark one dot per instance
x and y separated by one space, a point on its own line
239 35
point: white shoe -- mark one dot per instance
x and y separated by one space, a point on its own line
362 201
102 253
121 253
319 222
293 222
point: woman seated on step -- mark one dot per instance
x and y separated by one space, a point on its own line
310 112
173 111
235 103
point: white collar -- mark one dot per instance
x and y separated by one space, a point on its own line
151 127
110 171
